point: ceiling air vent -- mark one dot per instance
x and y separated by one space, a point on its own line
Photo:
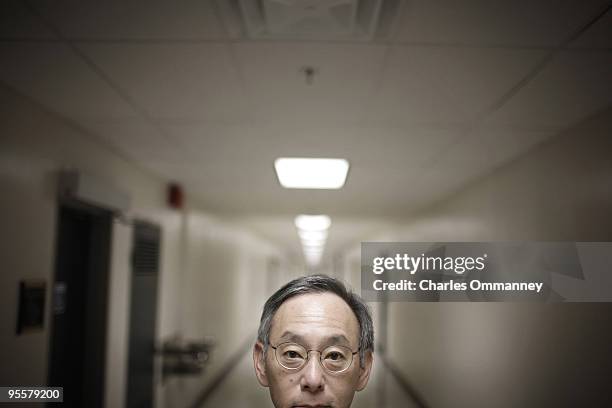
351 20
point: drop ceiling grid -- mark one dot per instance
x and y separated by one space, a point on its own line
52 74
344 74
482 151
265 198
69 81
17 23
446 86
518 23
563 92
599 36
221 145
138 139
573 85
158 20
109 23
192 82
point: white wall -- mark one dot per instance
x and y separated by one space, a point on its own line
223 289
35 145
118 315
502 354
212 277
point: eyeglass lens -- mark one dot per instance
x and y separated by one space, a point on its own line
294 356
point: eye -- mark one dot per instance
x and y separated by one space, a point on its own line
292 354
334 356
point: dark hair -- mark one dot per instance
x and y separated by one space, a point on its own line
319 284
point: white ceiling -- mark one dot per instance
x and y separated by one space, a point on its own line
498 23
451 91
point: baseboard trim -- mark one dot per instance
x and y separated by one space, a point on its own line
223 373
403 382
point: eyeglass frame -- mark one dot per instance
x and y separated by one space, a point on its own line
320 355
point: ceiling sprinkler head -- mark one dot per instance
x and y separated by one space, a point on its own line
309 73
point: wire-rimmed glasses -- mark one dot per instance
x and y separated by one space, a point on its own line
293 356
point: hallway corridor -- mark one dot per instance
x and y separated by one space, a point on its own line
166 167
241 389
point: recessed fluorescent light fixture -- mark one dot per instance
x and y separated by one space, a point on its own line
312 235
312 222
296 172
313 250
313 244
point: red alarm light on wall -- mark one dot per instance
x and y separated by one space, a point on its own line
175 196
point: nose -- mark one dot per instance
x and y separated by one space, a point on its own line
312 376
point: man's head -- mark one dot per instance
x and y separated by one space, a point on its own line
315 344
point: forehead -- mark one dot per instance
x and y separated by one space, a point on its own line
315 317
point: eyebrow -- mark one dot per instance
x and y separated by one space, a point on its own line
332 339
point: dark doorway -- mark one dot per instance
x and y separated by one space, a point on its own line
80 295
143 311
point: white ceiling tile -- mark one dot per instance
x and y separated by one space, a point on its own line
223 111
494 146
474 156
500 22
409 147
446 84
54 76
597 36
402 148
133 20
344 78
136 139
217 144
16 22
573 86
175 81
222 162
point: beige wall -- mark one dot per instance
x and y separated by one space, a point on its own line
35 145
213 274
502 354
223 289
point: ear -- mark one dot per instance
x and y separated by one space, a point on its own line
364 373
259 362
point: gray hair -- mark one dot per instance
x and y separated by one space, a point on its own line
319 284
